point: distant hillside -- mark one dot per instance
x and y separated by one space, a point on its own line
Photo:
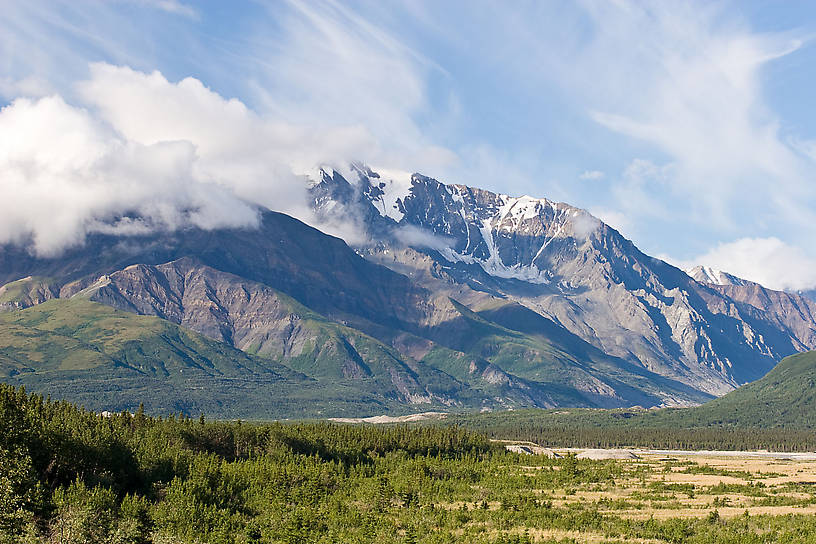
107 359
777 411
785 397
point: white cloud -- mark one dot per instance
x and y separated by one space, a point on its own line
614 218
699 100
235 146
584 224
591 175
65 174
767 261
171 154
414 236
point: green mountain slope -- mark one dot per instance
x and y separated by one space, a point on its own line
108 359
263 321
785 397
26 292
554 361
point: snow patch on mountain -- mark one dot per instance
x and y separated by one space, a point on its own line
513 211
706 274
395 186
494 266
522 208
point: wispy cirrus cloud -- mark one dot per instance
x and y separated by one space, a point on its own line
171 6
330 66
701 103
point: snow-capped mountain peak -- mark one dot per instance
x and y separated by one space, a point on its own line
706 274
560 262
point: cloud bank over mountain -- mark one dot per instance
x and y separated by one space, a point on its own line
767 261
142 153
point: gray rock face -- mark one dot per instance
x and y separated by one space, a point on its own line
224 307
26 292
790 312
260 320
566 265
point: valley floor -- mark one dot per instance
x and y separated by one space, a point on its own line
666 484
76 477
707 455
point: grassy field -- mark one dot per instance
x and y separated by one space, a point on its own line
662 487
651 499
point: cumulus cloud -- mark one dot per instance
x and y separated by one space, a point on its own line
235 146
66 174
142 153
767 261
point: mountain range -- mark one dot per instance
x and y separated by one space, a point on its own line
451 297
571 268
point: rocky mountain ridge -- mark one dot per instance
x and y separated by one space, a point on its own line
706 274
291 294
566 265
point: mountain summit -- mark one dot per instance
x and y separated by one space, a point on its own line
706 274
565 265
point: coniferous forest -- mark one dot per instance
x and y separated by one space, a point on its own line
73 476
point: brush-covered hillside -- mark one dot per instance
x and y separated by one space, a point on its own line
776 412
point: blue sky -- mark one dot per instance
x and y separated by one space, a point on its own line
690 126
